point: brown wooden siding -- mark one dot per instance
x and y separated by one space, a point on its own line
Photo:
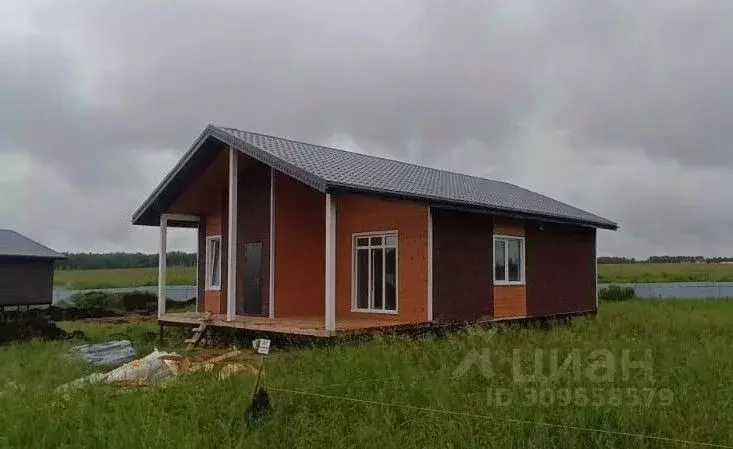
25 281
356 214
253 226
300 254
215 224
560 269
462 266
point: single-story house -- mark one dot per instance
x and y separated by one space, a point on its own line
305 239
26 270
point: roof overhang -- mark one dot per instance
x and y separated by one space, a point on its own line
212 140
472 208
33 258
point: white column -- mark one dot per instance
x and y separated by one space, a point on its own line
232 244
430 264
271 311
330 264
162 273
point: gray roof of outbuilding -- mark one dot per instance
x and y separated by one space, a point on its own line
17 245
332 170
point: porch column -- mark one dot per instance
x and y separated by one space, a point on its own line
271 302
330 314
162 264
232 244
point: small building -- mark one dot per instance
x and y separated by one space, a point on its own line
304 239
26 270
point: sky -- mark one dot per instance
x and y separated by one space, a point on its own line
619 107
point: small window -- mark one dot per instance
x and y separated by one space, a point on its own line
508 260
375 273
213 262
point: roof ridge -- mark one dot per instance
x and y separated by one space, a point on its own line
467 175
369 155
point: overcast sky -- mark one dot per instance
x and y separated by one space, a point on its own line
621 107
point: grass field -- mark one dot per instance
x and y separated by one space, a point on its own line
344 390
611 273
121 277
665 272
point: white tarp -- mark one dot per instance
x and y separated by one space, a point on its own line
110 353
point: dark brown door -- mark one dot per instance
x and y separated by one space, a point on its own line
253 279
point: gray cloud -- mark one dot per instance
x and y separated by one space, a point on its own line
619 107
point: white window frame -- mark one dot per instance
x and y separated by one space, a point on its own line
383 234
522 265
210 262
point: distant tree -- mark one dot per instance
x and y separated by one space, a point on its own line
612 259
89 261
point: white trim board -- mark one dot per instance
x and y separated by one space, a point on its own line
232 243
330 297
162 268
271 302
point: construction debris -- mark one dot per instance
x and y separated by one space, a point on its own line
151 368
159 367
110 353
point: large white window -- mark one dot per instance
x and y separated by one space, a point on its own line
508 260
213 262
375 272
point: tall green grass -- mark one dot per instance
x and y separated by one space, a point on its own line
610 273
690 342
665 272
121 277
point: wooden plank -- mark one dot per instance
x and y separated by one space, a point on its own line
311 326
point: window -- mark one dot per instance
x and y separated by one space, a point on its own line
508 260
375 273
213 262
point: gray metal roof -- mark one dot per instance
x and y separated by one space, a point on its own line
332 170
14 244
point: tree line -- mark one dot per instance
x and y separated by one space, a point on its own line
665 259
89 261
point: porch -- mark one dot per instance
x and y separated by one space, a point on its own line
306 325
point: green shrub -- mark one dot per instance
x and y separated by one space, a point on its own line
99 300
615 293
139 300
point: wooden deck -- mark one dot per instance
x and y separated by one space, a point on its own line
313 326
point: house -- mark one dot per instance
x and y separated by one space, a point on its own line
304 239
26 270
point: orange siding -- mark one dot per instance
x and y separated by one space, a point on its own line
300 254
509 300
213 298
356 214
505 226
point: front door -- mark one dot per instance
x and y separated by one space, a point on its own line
252 279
